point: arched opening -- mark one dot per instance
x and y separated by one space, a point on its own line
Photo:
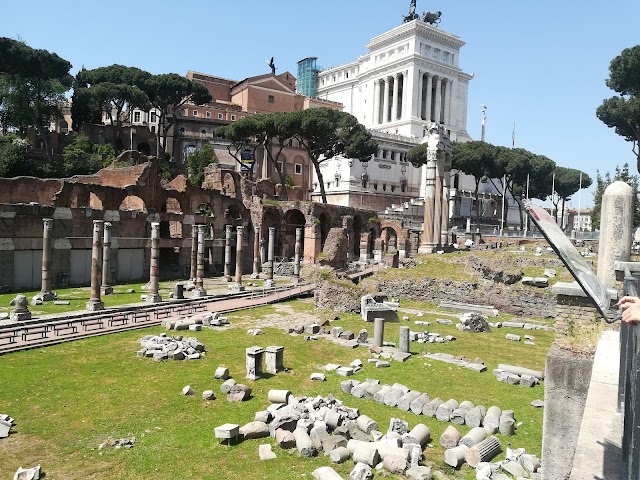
371 238
132 203
95 202
171 228
390 240
232 216
203 209
325 226
293 219
357 231
144 148
271 219
229 185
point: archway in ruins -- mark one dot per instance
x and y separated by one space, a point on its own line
171 228
390 239
271 219
144 148
132 203
95 201
325 226
293 219
229 185
371 238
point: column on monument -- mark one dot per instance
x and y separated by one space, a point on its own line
256 252
420 94
394 106
95 302
239 234
438 99
270 251
448 101
199 291
406 96
106 287
227 253
45 290
194 252
376 102
446 187
428 117
437 212
385 101
296 261
414 94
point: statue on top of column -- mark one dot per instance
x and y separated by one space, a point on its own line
412 13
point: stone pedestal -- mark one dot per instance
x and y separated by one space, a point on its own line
106 287
404 340
178 292
20 311
199 291
254 362
378 332
274 359
95 302
153 295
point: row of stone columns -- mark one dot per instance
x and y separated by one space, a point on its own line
432 90
387 109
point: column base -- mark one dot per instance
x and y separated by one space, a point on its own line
253 377
236 287
106 290
198 293
255 275
153 298
46 296
269 283
20 316
427 248
94 306
227 278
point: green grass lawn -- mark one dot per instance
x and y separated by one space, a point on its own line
67 399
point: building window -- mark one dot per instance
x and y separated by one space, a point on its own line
347 75
195 113
298 168
136 117
384 187
208 114
375 186
290 142
219 116
153 129
183 112
203 132
393 188
233 118
182 130
153 118
271 99
281 166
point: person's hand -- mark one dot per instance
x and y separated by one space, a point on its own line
630 309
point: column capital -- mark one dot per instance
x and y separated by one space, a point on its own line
47 223
108 225
201 228
97 225
239 228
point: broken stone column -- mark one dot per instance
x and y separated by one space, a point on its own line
615 230
304 444
238 287
455 456
272 236
45 291
20 310
450 438
95 302
274 359
153 296
428 242
194 252
483 451
254 362
227 253
106 287
256 252
199 291
404 339
378 332
296 261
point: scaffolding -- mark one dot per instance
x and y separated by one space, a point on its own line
307 82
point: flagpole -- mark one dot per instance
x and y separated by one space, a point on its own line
513 136
484 119
504 189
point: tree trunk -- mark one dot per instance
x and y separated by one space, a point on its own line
267 149
323 194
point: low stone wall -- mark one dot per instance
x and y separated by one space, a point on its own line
566 385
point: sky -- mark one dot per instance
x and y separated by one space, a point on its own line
540 65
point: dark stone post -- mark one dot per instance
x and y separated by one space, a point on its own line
95 302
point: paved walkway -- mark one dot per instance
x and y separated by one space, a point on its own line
63 328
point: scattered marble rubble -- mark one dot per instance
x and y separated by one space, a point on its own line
207 319
448 358
516 375
161 347
523 325
473 322
6 423
464 413
125 442
325 424
517 463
